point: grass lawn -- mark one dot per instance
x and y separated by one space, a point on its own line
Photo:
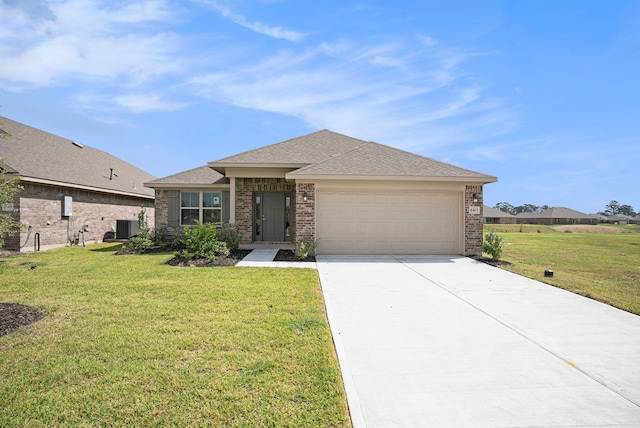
131 341
603 266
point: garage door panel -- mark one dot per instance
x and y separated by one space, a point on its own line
359 222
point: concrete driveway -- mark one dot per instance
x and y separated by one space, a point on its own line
451 342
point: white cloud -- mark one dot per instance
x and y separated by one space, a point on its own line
141 103
86 40
413 99
258 27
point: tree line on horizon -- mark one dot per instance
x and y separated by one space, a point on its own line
612 208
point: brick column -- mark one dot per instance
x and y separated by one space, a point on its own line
473 223
305 212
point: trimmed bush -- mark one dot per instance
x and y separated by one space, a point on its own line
229 236
306 248
202 241
493 245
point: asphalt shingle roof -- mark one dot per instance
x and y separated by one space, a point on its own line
35 154
196 176
494 213
556 212
326 153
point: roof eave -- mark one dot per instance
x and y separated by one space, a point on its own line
458 179
153 185
222 166
83 187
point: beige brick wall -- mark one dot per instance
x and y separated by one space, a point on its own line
473 223
40 207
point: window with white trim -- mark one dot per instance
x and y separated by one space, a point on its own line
204 207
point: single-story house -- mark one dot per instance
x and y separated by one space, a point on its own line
621 219
350 195
494 216
556 215
71 191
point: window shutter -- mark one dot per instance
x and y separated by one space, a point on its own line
173 219
226 200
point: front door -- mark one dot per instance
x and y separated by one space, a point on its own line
271 217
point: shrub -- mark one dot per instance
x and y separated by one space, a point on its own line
493 245
159 236
306 248
230 237
202 242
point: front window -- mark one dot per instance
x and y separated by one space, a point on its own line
204 207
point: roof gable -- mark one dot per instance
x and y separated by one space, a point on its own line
298 151
197 176
37 155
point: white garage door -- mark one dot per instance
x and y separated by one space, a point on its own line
366 222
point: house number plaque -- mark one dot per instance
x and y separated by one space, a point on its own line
474 210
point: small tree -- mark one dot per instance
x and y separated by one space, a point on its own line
8 189
493 245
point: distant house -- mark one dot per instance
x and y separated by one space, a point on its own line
72 192
556 215
601 218
350 195
494 216
621 219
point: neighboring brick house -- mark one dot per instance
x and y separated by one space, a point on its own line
556 215
494 216
353 196
71 191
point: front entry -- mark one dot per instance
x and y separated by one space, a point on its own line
272 216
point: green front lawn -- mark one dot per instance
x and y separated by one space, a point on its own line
131 341
603 266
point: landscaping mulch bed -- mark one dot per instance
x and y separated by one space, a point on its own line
231 260
493 262
14 315
290 256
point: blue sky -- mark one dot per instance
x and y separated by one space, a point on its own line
543 94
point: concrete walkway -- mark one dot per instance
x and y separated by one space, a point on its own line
263 257
451 342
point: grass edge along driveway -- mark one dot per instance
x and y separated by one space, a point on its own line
602 266
129 340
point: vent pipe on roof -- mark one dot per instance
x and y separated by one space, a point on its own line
75 143
112 174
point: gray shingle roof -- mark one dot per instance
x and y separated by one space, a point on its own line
326 153
556 212
299 151
197 176
38 155
494 213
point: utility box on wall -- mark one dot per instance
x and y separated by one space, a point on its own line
67 202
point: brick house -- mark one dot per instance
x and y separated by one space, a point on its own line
353 196
494 216
71 191
556 215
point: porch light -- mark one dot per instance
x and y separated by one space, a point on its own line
475 197
305 195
